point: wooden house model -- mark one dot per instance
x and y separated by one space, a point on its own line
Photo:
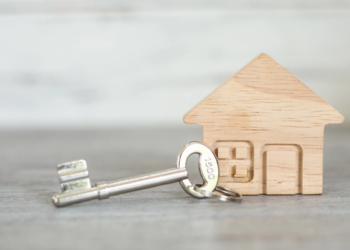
266 128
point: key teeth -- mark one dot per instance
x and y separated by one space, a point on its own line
74 176
68 166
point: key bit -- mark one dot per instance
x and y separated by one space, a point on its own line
74 176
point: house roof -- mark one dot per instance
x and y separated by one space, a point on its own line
261 86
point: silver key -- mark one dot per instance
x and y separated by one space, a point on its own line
76 187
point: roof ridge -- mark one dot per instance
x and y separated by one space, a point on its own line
265 74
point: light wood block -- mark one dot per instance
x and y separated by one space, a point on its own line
240 171
224 153
241 152
281 172
264 106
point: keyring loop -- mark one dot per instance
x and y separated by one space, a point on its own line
226 193
208 168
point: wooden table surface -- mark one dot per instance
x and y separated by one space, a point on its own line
163 217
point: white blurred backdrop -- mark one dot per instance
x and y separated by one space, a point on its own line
146 63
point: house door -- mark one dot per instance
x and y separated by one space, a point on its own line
281 170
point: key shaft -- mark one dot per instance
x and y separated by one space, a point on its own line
104 190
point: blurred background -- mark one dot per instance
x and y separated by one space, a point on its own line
109 81
97 64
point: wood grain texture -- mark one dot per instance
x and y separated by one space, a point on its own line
163 217
68 6
265 105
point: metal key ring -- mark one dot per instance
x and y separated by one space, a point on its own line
226 193
208 169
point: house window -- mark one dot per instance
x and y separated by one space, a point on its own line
235 160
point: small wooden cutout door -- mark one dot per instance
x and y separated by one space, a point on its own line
281 169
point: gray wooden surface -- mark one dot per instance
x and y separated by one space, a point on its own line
164 217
